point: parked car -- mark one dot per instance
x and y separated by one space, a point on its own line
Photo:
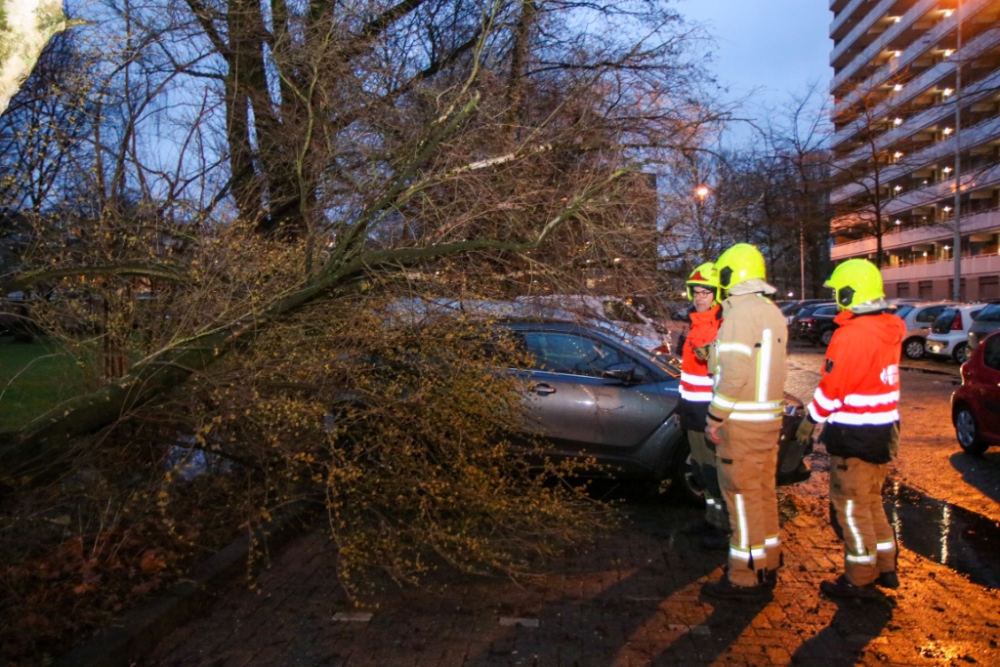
975 406
592 395
819 326
950 332
797 328
918 318
790 308
987 321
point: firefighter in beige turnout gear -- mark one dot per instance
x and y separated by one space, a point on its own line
744 420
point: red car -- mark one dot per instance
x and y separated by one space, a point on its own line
975 406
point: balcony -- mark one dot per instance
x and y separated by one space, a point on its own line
882 41
970 94
975 47
842 16
984 221
970 137
974 180
971 266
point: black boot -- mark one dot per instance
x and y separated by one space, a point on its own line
724 589
842 588
770 578
887 579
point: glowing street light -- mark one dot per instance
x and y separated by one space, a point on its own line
702 191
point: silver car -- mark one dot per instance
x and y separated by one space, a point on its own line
984 323
918 318
589 394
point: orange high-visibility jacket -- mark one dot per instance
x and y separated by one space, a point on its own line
858 394
696 381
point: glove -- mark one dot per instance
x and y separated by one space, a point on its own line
804 434
703 351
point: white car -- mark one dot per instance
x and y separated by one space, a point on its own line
918 318
950 332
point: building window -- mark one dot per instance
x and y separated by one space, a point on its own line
902 290
989 287
925 289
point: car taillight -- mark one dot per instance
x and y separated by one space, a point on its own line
956 324
807 320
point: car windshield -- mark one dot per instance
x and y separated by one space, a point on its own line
826 310
990 313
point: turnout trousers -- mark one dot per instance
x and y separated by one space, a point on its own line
747 461
707 474
859 519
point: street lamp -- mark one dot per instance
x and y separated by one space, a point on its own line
702 191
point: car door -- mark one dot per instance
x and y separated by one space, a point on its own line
577 409
924 318
989 383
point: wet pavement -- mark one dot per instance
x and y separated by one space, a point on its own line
632 597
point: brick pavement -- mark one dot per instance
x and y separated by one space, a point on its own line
630 599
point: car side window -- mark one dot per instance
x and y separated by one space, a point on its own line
991 353
569 353
930 314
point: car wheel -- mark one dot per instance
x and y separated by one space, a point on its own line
683 484
826 337
967 432
914 348
961 353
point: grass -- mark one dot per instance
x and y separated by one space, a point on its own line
35 377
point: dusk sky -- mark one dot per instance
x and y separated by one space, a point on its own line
776 47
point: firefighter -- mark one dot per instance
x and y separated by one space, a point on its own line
858 400
696 394
744 420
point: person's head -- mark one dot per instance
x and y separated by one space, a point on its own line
703 287
855 283
738 264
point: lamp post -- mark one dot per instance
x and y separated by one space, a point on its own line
956 253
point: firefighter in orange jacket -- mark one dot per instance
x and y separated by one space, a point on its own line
858 399
744 420
696 394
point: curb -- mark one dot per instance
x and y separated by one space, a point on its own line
139 631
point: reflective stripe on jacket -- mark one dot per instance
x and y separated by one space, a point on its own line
696 381
860 383
749 361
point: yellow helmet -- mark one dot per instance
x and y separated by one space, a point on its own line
855 282
738 264
705 276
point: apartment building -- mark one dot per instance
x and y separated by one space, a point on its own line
916 89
